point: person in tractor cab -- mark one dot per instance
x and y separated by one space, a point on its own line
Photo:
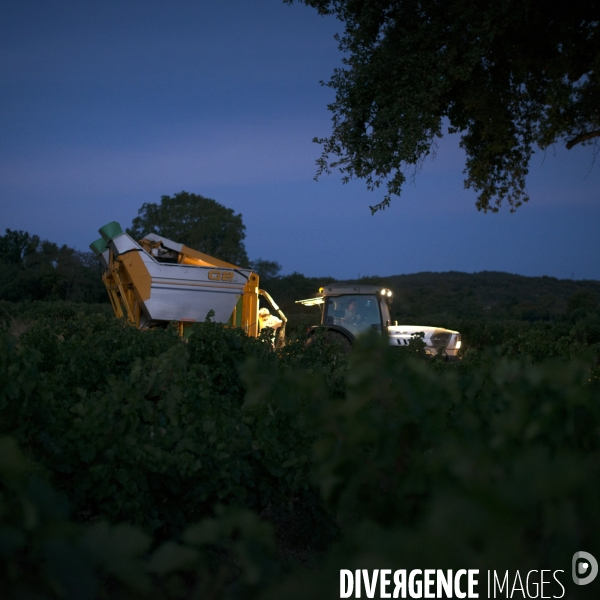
352 316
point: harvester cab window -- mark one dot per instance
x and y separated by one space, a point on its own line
355 313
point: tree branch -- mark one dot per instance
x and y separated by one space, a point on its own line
582 137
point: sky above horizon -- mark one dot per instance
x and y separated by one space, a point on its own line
107 105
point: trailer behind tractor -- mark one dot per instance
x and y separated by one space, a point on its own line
157 281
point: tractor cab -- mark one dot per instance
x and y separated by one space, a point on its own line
349 310
352 309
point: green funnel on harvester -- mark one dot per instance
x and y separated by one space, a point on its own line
110 230
99 246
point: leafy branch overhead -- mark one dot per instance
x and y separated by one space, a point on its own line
507 75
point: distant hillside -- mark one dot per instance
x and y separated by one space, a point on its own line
488 293
457 295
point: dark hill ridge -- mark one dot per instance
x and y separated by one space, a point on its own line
490 293
459 295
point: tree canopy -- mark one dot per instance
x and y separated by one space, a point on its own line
198 222
265 269
34 269
508 75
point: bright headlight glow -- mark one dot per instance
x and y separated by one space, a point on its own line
457 346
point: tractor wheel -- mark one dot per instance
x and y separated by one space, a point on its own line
338 339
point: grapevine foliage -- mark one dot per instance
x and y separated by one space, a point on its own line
156 468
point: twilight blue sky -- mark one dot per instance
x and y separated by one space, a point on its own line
107 105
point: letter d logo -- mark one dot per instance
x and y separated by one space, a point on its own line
584 564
